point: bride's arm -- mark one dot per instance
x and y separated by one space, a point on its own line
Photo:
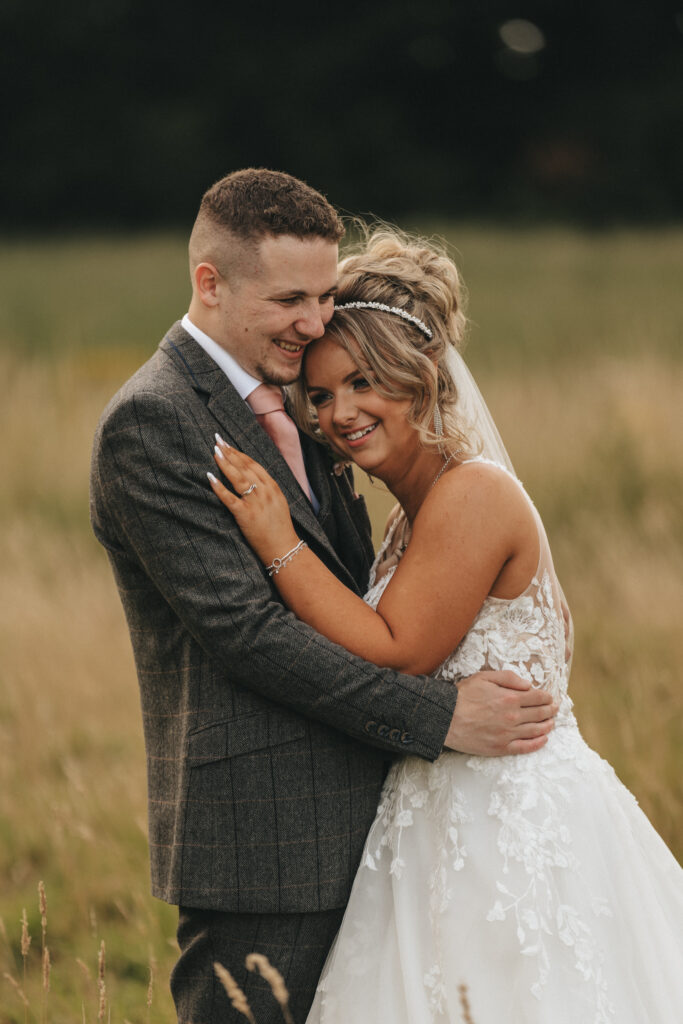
459 545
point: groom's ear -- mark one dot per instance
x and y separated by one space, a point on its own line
207 280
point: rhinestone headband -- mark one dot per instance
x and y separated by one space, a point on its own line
396 310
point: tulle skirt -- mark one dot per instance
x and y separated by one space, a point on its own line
536 882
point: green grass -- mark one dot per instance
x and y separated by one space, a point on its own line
576 344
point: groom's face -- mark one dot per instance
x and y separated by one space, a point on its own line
279 301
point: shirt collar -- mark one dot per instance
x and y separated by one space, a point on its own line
242 381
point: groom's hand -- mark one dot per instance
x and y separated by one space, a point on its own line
498 713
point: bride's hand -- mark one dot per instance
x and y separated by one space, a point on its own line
259 506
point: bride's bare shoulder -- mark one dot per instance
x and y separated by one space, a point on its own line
474 480
476 492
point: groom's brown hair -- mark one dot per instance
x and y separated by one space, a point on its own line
253 203
256 202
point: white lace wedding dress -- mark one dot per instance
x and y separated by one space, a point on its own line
534 880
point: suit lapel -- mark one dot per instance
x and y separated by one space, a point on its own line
237 424
318 471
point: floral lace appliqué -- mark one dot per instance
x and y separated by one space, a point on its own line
524 634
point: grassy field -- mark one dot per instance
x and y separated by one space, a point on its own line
576 343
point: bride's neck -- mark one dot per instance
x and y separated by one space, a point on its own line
411 484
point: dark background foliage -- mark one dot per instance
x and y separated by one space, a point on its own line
121 112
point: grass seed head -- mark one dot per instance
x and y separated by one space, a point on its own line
465 1005
84 967
17 988
152 975
42 898
46 969
235 993
259 962
25 936
102 1008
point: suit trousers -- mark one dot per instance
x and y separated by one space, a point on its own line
297 944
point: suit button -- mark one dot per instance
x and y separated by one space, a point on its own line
395 735
370 727
406 738
382 730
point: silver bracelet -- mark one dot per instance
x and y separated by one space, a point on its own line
280 563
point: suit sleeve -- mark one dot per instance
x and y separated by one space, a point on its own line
151 502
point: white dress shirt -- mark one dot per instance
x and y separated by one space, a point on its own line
242 381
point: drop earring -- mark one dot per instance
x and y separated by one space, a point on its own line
438 422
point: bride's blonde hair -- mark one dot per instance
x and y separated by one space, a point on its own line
414 274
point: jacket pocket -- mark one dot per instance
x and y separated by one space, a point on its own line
242 736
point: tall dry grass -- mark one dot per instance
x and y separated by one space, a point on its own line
72 785
576 344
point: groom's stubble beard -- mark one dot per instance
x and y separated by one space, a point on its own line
269 376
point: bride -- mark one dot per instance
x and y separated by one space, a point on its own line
535 880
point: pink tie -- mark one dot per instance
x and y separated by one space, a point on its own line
266 401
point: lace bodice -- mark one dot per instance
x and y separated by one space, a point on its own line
525 634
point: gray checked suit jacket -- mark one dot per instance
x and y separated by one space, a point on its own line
266 744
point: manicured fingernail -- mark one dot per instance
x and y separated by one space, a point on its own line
212 478
221 441
217 451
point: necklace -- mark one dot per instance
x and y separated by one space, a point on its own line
438 476
441 471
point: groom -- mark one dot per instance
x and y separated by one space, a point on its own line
266 744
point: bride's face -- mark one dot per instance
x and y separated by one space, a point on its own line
358 422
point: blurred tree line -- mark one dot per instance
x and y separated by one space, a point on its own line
121 112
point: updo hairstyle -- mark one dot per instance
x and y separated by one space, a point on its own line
417 275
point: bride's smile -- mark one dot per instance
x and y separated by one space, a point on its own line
357 436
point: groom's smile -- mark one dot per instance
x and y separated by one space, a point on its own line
288 346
